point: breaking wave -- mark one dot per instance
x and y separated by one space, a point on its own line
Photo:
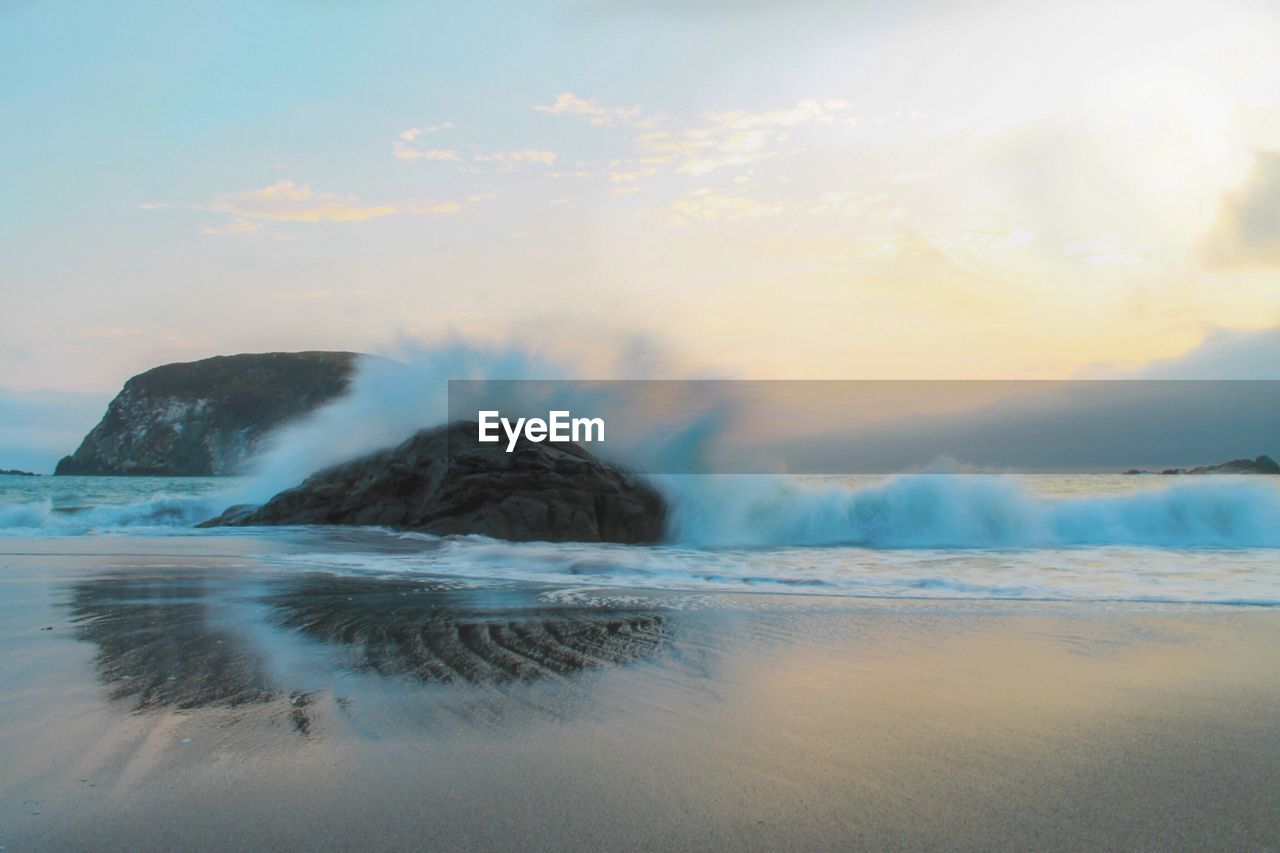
967 511
920 511
160 514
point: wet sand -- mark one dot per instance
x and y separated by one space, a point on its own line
155 695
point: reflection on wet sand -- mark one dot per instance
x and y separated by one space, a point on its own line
435 634
161 644
201 640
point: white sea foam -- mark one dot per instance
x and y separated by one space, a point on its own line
159 514
938 536
968 511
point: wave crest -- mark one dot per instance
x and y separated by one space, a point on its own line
967 511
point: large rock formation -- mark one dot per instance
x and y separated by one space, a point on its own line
543 492
206 417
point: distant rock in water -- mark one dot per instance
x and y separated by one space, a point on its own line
1261 465
539 492
204 418
14 472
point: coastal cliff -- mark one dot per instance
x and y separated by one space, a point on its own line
206 417
539 492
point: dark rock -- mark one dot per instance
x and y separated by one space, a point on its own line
231 516
1261 465
14 472
206 417
543 492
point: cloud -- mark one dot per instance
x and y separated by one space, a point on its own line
433 209
718 140
706 206
733 138
406 147
285 201
567 103
1223 354
508 160
413 133
1247 231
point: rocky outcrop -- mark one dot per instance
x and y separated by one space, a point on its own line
441 481
204 418
14 472
1261 465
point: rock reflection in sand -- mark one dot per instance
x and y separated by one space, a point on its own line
198 640
396 627
160 643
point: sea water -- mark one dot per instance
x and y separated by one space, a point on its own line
1053 537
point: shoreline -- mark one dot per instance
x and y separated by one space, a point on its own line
215 700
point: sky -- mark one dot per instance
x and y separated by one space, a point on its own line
808 189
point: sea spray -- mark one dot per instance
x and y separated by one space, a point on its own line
390 398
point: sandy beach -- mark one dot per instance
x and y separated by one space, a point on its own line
156 697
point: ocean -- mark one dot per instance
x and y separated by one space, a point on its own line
1059 537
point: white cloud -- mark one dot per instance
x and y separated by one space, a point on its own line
406 147
413 133
508 160
285 201
733 138
446 208
567 103
1223 354
406 151
1247 230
